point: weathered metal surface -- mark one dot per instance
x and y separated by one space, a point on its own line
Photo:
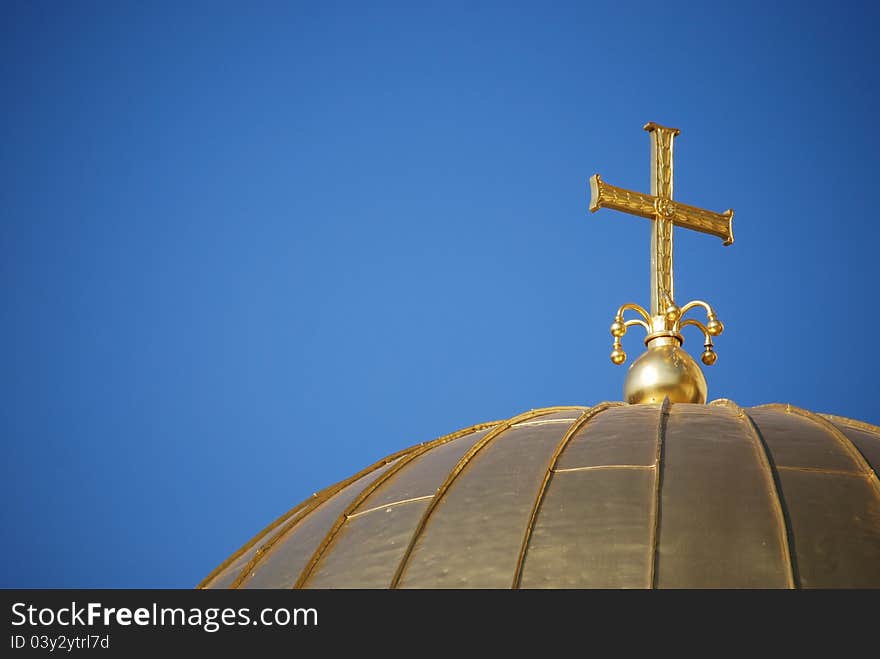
718 527
831 495
282 563
372 541
473 537
625 496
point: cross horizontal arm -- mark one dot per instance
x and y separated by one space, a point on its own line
604 195
698 219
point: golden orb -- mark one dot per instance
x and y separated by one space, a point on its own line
618 329
665 370
715 327
618 356
709 357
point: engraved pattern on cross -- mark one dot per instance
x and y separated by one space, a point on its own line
659 207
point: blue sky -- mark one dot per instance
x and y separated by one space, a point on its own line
249 248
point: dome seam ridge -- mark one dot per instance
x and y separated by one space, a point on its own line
321 495
402 461
846 443
314 502
576 426
656 512
451 477
771 474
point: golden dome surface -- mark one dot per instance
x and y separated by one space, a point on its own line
668 495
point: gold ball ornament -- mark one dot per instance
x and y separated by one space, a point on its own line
672 314
618 356
663 371
709 357
714 327
618 329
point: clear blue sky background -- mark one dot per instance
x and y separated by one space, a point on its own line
249 248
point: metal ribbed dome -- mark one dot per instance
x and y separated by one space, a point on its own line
610 496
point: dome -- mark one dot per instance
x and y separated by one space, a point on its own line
660 491
670 495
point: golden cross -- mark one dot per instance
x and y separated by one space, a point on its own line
659 207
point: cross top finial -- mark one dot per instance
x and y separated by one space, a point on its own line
666 319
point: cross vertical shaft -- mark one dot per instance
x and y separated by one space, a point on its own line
661 230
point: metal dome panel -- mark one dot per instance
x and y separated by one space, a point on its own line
611 496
